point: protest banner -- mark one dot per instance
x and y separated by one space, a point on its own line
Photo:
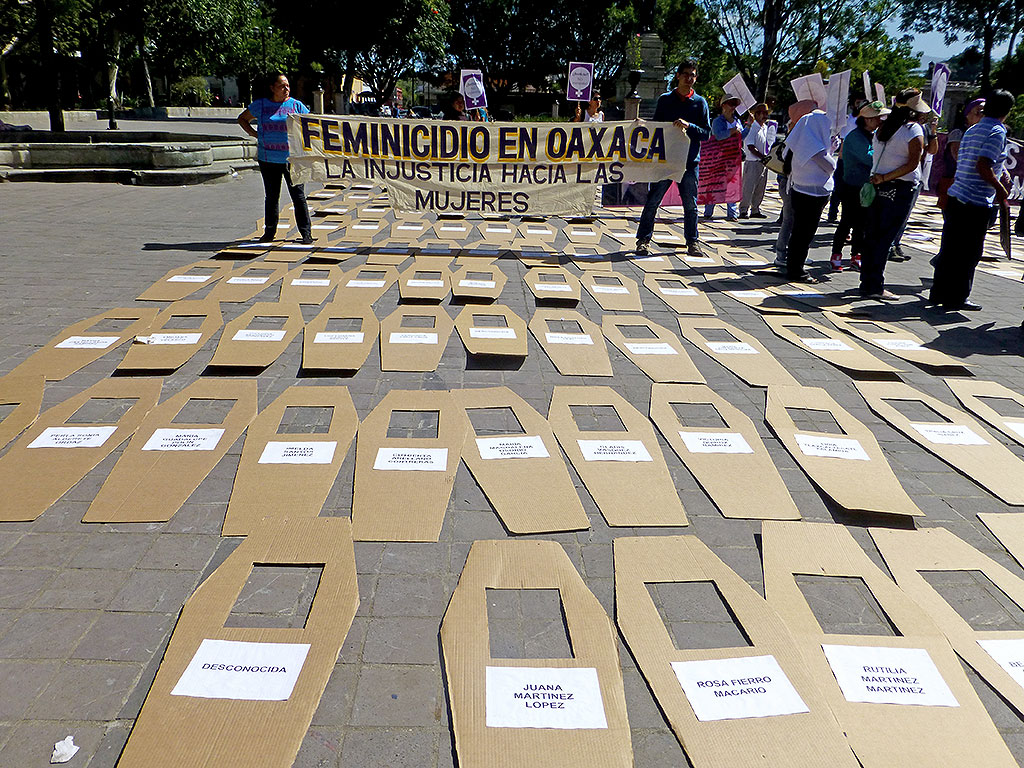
471 86
720 179
940 78
581 81
502 168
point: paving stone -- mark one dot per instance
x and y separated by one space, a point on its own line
398 696
43 550
397 747
125 637
120 551
82 588
184 552
409 596
155 591
86 691
336 702
45 634
320 749
20 683
31 743
402 641
19 587
111 744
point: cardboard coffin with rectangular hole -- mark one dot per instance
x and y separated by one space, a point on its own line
509 340
364 285
745 356
481 281
168 350
660 355
682 298
177 284
413 347
25 393
241 285
307 284
896 341
419 281
344 350
613 292
830 346
970 393
579 353
244 347
553 284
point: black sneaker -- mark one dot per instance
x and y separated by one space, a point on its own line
307 240
643 247
266 237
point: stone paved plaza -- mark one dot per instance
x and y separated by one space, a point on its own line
86 610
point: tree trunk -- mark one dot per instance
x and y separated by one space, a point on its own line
51 67
146 76
346 85
6 100
988 41
772 27
113 66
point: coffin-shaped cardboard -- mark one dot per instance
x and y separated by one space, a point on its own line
653 349
25 393
589 257
1008 527
289 253
729 462
669 236
624 231
624 469
184 281
706 260
453 230
403 483
522 472
168 349
497 232
341 348
481 252
538 232
424 281
849 468
56 453
746 289
478 281
908 553
970 393
310 283
394 253
576 352
289 474
949 727
782 721
337 251
896 341
364 285
493 726
742 354
553 284
247 282
828 344
653 263
740 257
255 730
413 338
954 436
535 254
374 210
79 345
613 292
676 291
244 347
166 460
483 335
583 233
410 229
366 230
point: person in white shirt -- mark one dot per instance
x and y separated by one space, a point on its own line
755 175
593 113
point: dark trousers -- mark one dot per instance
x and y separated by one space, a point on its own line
851 221
656 191
806 216
963 239
837 193
272 174
882 221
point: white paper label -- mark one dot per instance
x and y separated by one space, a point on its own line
412 227
827 345
247 280
525 447
949 434
715 442
183 440
503 230
749 262
1015 426
296 247
614 450
650 260
732 689
583 232
831 447
72 437
87 342
755 294
310 282
650 348
1004 273
452 228
338 337
906 345
476 283
678 291
365 284
561 287
609 289
365 226
425 283
699 259
877 675
666 236
492 333
544 697
189 278
1008 654
415 459
797 292
280 452
232 669
537 231
406 337
173 338
731 348
253 334
568 338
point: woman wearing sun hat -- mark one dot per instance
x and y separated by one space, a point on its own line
726 125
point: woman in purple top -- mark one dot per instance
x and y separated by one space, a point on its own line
271 117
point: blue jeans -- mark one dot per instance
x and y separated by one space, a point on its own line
882 220
731 209
656 191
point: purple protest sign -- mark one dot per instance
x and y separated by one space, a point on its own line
581 81
472 88
940 77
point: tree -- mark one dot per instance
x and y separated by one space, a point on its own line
686 32
891 61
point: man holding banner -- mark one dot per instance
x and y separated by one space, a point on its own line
689 112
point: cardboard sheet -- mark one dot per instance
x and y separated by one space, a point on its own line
735 350
247 282
624 231
583 233
553 284
454 230
25 393
970 393
698 263
310 283
676 291
337 251
364 285
747 290
730 462
953 436
403 483
424 281
538 232
366 230
410 228
828 344
667 235
289 253
166 460
55 453
740 257
413 338
1008 527
289 474
478 281
574 343
652 263
482 335
243 347
624 470
393 253
612 291
340 337
481 252
535 254
849 468
522 473
499 232
653 349
236 731
493 726
168 348
184 281
78 345
721 716
896 341
948 726
589 258
374 210
990 653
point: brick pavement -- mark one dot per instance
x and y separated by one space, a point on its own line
86 610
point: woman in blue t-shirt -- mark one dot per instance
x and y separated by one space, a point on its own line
271 117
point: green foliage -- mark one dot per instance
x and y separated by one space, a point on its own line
191 91
1015 120
633 58
891 62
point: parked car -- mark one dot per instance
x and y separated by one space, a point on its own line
424 113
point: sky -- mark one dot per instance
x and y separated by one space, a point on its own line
933 44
